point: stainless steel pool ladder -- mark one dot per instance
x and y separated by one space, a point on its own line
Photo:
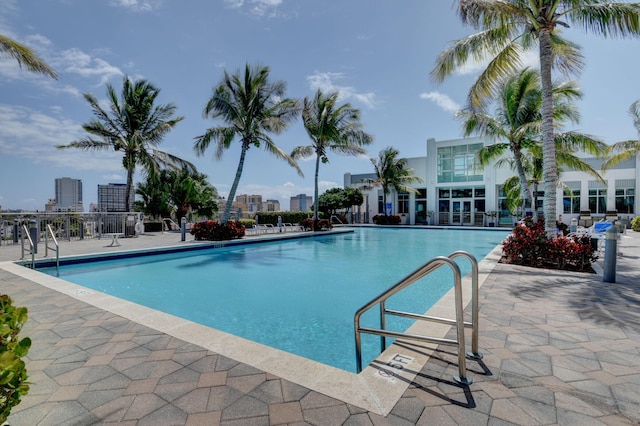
49 232
459 322
31 249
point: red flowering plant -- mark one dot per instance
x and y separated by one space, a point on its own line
323 224
529 245
525 245
211 230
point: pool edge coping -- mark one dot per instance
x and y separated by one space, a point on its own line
376 389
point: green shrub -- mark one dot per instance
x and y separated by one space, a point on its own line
214 231
635 224
528 245
392 219
323 224
248 223
13 373
265 218
153 227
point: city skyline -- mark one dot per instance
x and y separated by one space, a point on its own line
378 58
68 192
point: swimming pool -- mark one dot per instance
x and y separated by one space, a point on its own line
296 295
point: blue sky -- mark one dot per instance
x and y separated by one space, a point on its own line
377 54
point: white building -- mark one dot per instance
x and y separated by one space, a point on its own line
68 196
456 190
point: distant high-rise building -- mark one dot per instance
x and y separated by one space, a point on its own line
248 204
271 206
50 206
301 203
68 195
112 198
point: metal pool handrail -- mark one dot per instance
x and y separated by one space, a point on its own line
416 275
24 232
49 231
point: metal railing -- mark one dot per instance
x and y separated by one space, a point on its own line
169 225
333 216
32 246
49 232
459 322
67 226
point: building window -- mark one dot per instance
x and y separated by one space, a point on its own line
625 200
459 163
462 193
571 201
598 201
403 203
421 205
380 204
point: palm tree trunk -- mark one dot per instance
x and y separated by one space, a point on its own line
550 171
384 199
234 187
315 195
524 184
127 197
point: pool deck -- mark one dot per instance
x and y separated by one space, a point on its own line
559 348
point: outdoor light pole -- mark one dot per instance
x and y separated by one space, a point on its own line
610 252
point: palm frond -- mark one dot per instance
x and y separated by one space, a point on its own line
608 19
25 57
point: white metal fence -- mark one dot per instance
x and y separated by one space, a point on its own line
67 225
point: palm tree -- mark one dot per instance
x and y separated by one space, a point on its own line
25 56
510 27
531 159
177 192
134 126
624 150
190 191
330 128
153 197
251 107
392 172
516 126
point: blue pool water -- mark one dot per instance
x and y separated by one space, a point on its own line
296 295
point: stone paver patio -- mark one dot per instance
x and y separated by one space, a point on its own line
559 348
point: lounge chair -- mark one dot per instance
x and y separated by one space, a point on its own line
585 219
596 232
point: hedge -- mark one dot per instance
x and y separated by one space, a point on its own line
265 218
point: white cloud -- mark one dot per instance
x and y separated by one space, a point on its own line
259 8
38 41
113 177
234 3
325 82
443 101
8 4
27 133
138 5
78 62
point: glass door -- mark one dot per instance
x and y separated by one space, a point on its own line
461 212
467 219
456 213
